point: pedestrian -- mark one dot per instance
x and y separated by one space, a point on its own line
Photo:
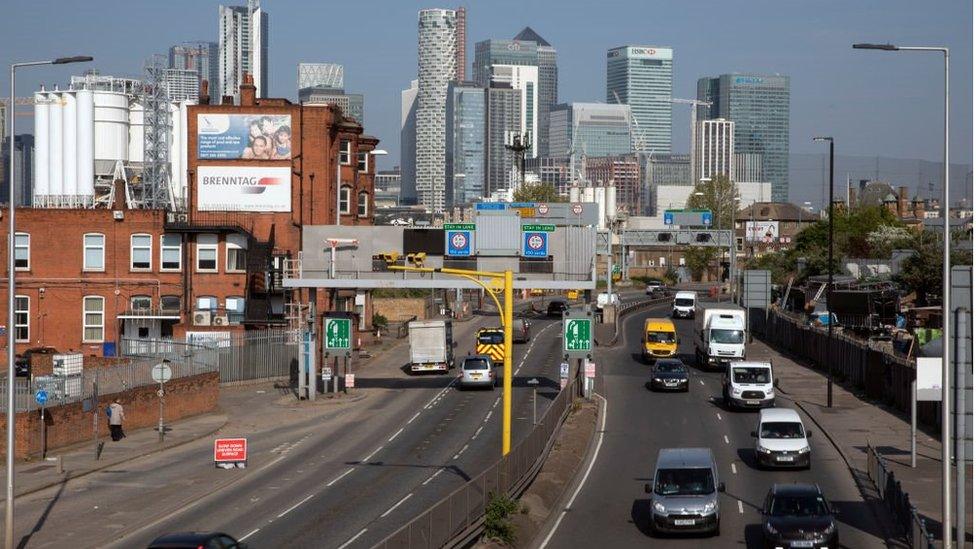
116 415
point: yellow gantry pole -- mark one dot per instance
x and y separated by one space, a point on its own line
507 382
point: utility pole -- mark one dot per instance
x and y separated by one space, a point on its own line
520 145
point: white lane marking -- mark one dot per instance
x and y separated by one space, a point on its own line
415 416
487 417
396 434
338 478
367 458
497 400
589 469
397 504
734 472
700 381
517 370
740 506
432 477
719 416
457 455
293 507
352 539
478 432
726 437
249 534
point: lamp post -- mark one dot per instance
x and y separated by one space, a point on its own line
11 265
946 248
830 271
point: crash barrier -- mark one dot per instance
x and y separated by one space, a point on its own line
898 502
631 306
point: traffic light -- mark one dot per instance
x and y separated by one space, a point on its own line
391 257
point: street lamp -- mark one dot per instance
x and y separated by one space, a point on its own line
946 248
830 272
11 338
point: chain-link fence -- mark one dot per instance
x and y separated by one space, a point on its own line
898 502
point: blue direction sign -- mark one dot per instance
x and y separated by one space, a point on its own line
458 243
41 397
669 218
535 244
706 218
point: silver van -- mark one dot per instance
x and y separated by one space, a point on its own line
685 494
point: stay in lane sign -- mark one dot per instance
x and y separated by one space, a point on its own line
535 244
458 242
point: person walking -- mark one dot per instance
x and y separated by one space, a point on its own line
116 415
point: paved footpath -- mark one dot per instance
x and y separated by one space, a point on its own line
853 422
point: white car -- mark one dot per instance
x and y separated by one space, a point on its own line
477 371
781 440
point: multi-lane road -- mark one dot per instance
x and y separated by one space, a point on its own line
611 509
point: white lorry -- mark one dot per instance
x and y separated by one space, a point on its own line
720 334
431 345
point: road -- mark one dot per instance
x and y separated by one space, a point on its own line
612 510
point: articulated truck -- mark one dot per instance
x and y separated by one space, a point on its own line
720 334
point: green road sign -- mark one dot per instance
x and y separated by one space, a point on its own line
337 333
577 334
459 226
538 228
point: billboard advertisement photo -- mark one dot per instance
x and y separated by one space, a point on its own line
243 189
762 231
243 137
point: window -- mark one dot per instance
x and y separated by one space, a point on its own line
141 252
362 206
236 253
169 303
207 253
94 252
171 252
22 318
94 319
22 251
206 303
234 305
344 195
345 152
362 161
140 303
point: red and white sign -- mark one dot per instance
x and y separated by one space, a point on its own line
459 240
536 242
350 381
577 208
543 209
589 369
230 450
243 189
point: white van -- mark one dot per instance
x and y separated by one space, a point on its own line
781 440
748 385
684 305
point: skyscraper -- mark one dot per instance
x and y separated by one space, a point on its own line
591 129
715 150
325 75
548 83
437 58
408 145
182 84
759 104
465 143
641 76
525 79
243 32
503 123
501 52
202 57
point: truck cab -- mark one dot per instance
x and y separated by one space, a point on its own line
720 334
660 339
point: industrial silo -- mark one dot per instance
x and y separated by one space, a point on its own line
86 145
55 146
111 132
137 125
41 156
69 148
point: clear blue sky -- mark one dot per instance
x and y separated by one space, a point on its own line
873 103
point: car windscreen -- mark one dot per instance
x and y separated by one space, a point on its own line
660 337
669 367
750 375
781 429
684 302
475 364
684 482
798 506
491 338
727 336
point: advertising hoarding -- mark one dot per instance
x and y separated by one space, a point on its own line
243 189
243 136
762 231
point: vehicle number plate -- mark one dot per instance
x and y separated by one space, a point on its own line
803 543
752 402
784 458
476 376
684 522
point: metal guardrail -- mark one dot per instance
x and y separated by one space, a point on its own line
898 502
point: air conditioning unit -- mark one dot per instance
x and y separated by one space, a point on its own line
176 217
220 320
118 215
201 318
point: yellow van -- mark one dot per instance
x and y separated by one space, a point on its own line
660 339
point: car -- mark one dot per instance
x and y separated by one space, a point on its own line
556 308
521 330
477 371
685 493
196 540
748 384
669 374
654 288
798 515
781 440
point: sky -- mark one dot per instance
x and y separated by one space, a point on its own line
872 102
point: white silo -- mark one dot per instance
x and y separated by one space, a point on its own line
136 138
86 145
41 156
69 148
177 151
111 135
55 143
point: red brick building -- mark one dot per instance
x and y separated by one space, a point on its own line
86 278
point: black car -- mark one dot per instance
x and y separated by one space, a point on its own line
556 308
196 540
669 374
798 515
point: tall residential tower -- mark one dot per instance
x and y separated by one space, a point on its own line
641 76
202 57
243 32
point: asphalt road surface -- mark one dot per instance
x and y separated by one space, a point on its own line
612 509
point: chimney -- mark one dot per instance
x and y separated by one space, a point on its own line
248 91
918 208
204 98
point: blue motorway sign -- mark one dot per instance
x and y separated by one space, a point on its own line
41 397
706 218
535 244
669 218
458 243
489 206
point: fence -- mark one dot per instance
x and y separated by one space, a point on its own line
898 502
465 507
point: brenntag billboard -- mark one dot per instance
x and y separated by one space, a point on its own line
243 136
243 189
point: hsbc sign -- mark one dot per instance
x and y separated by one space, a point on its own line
643 51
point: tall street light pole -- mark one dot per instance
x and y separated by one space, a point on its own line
946 249
830 273
8 531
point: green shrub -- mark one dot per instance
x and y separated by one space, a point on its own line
498 527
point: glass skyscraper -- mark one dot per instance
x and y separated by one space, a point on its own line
436 66
641 76
465 143
548 83
593 129
759 104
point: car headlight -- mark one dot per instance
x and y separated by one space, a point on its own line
829 529
709 507
657 379
659 507
736 391
804 450
770 529
764 450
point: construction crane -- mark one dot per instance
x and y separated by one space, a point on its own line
695 103
19 102
640 136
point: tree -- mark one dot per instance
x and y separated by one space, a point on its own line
718 195
537 192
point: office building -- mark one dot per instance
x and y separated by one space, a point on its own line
759 104
320 75
641 76
408 145
503 123
526 80
23 169
352 104
666 171
243 47
590 129
436 66
501 52
715 149
182 84
466 143
202 57
548 82
747 167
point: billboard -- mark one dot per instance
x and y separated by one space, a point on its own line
243 136
243 189
762 231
